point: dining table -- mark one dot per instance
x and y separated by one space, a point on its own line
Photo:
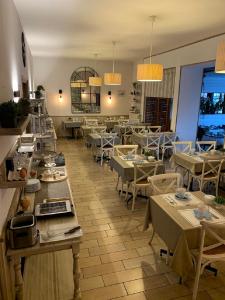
74 125
176 223
125 167
194 162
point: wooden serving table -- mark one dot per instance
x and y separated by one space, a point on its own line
52 245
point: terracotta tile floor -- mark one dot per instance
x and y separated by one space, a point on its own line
116 261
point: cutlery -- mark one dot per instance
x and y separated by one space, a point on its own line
214 216
51 234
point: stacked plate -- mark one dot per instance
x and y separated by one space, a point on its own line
32 186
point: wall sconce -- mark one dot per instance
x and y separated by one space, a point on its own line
60 96
16 96
109 97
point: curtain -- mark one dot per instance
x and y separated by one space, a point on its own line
164 88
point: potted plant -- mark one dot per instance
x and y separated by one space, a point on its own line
8 114
23 107
39 93
219 200
149 155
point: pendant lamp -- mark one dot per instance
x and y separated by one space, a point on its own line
220 58
113 78
78 84
95 80
150 72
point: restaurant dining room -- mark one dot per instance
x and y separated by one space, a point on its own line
112 150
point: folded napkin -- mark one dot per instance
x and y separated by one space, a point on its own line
189 200
202 214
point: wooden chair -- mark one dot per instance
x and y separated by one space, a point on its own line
91 122
182 146
126 134
167 142
165 183
120 150
141 173
154 128
153 143
138 129
208 254
98 130
210 173
107 145
205 146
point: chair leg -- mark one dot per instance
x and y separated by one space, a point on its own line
163 152
134 198
121 193
197 277
117 183
189 182
153 233
157 154
217 186
167 256
127 184
102 158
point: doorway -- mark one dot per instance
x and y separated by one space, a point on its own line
211 121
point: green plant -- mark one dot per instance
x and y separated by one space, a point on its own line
8 114
148 153
220 200
39 92
40 88
23 107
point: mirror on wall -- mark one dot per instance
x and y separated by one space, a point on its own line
84 98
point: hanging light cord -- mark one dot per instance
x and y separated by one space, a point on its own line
96 58
114 44
151 38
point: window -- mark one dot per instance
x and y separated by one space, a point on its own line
84 98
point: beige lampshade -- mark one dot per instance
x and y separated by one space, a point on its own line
220 58
112 78
78 84
95 81
149 72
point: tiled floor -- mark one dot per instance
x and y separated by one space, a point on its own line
116 261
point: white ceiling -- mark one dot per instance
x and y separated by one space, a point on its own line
80 28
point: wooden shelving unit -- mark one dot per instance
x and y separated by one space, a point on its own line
16 131
5 184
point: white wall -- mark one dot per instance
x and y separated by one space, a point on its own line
54 73
189 101
12 71
204 51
